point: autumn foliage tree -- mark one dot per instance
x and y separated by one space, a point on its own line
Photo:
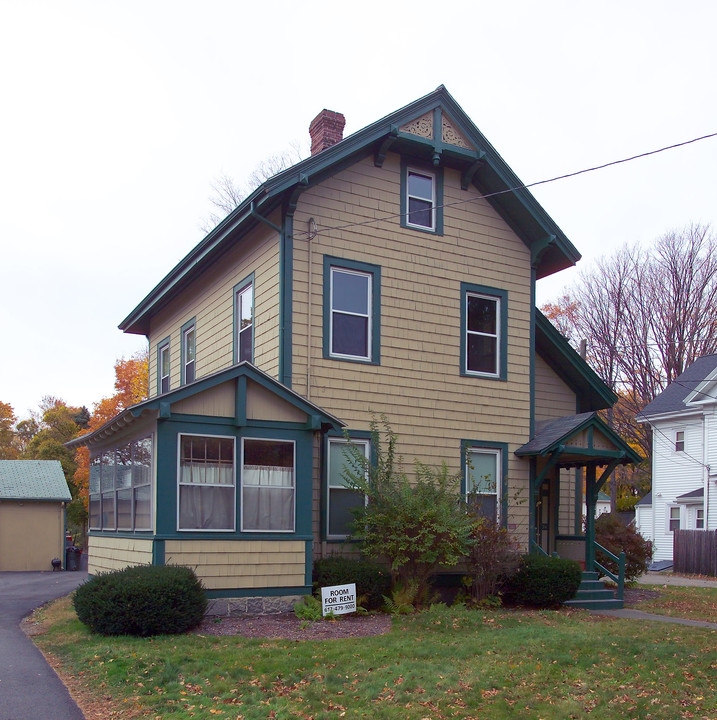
131 384
8 444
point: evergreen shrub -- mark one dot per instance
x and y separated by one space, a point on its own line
543 582
372 579
143 600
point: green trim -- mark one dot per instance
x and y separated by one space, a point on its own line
286 265
375 272
502 297
158 552
437 174
182 350
259 592
308 563
532 353
467 445
160 346
238 288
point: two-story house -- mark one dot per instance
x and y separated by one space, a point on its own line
683 419
393 271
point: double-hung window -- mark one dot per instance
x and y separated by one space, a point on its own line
700 519
483 331
244 321
189 352
680 441
483 481
268 485
673 518
341 500
422 198
206 482
351 310
163 367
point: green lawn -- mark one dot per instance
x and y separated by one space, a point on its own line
693 603
443 663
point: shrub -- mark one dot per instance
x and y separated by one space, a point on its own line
142 600
612 533
372 579
543 582
493 558
309 609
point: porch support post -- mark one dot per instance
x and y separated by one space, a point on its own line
590 498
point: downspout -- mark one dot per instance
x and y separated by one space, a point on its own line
312 233
706 471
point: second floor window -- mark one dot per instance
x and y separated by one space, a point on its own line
244 323
189 352
350 314
163 366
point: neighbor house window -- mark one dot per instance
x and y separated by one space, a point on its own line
680 441
163 367
421 198
206 482
341 500
120 487
189 352
674 518
700 519
245 323
351 310
484 331
482 481
268 485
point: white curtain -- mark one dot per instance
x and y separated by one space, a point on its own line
268 497
206 496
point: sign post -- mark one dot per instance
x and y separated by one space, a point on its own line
338 599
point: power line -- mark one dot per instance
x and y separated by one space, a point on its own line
486 196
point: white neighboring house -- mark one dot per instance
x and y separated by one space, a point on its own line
683 419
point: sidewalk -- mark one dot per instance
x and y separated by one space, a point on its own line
665 578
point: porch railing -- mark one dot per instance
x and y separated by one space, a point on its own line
618 579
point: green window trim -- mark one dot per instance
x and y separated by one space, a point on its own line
501 299
238 290
373 355
502 490
163 347
189 325
436 173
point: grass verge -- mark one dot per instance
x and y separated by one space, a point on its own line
443 663
691 603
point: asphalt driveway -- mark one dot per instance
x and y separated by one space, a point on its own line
29 687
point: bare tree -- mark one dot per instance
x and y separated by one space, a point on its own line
228 195
647 314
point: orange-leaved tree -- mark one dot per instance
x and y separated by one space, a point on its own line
131 383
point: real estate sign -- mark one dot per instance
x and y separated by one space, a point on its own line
338 599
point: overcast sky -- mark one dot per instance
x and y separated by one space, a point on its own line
118 116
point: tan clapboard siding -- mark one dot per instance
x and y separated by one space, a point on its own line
115 553
418 383
225 564
216 402
262 404
31 535
210 299
553 398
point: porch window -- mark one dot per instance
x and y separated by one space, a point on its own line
268 485
482 486
107 486
674 519
341 500
206 482
123 485
142 483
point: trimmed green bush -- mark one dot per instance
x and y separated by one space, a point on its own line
543 582
372 579
612 533
143 600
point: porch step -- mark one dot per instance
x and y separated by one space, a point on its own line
593 595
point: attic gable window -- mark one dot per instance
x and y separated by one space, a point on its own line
422 198
351 310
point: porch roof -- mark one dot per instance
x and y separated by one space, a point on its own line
579 440
695 497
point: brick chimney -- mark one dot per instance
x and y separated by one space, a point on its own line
326 129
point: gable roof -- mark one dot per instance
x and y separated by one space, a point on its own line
33 480
552 346
675 396
478 161
161 404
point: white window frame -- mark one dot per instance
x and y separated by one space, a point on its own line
699 518
238 303
368 315
329 487
498 320
680 439
180 484
669 517
191 329
497 453
163 350
423 173
244 484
